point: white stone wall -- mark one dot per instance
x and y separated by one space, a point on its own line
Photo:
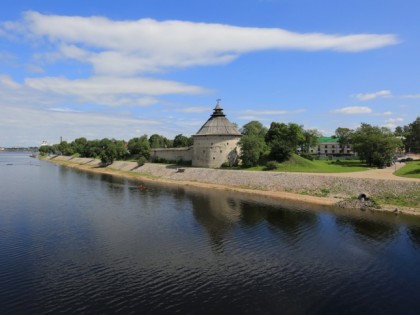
214 150
172 154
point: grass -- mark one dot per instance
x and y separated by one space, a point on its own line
411 169
406 199
300 164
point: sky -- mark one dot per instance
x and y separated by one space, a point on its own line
121 69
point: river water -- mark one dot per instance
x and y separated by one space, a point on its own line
82 243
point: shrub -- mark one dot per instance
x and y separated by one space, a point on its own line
271 165
307 156
141 161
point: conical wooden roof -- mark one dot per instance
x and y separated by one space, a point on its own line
218 124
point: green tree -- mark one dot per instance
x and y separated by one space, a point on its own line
343 135
181 141
254 128
46 149
108 151
311 139
252 143
65 148
158 141
375 145
79 146
121 149
139 147
412 136
92 149
283 140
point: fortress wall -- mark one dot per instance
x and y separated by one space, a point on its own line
172 154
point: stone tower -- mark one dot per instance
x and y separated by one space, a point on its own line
216 142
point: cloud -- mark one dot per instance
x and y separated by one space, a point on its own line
106 91
372 96
394 120
29 126
353 110
390 126
147 45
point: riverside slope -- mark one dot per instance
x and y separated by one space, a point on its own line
322 189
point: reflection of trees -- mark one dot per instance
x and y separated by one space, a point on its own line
288 221
414 235
378 231
291 222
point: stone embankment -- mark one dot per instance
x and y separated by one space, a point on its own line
331 186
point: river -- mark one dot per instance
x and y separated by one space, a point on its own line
83 243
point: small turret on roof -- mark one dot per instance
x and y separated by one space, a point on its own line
218 124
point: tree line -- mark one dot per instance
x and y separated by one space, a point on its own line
108 150
259 145
376 146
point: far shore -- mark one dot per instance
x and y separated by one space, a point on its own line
324 190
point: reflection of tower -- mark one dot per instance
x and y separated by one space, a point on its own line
217 213
216 142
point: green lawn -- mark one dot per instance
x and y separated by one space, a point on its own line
299 164
411 169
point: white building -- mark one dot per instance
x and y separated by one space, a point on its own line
331 146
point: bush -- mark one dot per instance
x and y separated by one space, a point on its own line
307 156
141 161
271 165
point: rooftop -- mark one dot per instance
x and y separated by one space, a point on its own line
218 124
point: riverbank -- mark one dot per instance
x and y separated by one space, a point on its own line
320 189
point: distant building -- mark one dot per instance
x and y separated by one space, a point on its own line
331 146
215 144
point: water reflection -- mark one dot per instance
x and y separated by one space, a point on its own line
88 243
374 230
414 235
217 213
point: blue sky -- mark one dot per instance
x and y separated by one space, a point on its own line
121 69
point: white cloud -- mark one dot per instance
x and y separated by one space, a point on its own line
394 120
390 126
110 91
7 82
353 110
372 96
387 113
145 45
30 126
